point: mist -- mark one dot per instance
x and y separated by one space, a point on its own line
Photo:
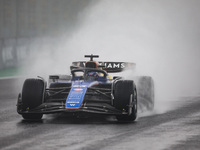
161 37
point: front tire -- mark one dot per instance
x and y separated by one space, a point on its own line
32 116
125 94
32 97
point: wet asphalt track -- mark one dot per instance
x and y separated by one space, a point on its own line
175 129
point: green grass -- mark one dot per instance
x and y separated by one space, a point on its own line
9 72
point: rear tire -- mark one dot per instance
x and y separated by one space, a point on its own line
32 97
123 91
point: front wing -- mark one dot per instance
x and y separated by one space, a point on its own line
48 108
97 101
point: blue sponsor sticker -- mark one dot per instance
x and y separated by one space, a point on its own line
77 93
75 97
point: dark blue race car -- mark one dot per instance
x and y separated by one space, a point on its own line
89 89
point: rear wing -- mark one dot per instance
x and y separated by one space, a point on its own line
110 67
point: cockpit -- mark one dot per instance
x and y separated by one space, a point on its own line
89 74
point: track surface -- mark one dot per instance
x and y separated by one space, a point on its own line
174 129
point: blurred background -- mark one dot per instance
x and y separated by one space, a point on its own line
41 37
26 27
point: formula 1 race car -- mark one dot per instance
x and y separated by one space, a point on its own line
89 89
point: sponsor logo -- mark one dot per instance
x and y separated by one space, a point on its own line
72 104
108 65
78 89
79 86
113 65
